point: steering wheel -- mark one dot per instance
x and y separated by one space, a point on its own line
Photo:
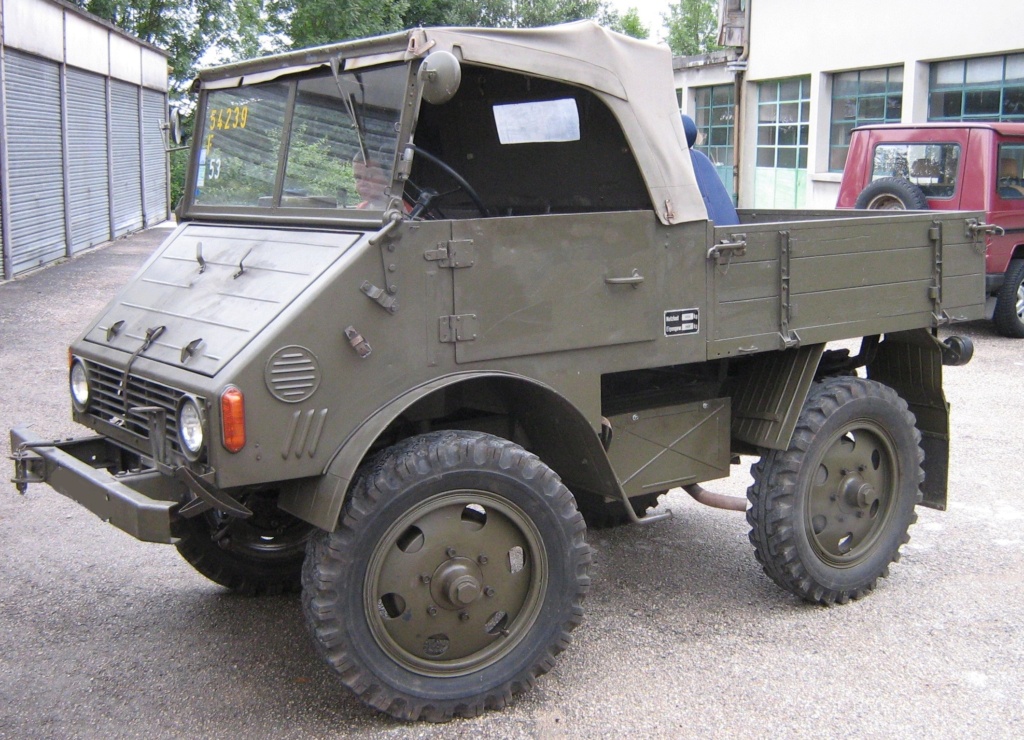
426 198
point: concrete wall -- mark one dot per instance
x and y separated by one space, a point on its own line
791 38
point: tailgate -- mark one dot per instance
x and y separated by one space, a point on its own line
781 284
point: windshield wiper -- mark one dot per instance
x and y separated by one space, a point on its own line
335 66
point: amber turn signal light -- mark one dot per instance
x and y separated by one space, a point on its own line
232 419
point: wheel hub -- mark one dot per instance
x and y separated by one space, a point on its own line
857 492
456 583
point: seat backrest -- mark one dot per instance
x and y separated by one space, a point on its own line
716 198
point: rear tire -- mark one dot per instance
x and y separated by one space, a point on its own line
1009 313
830 514
892 194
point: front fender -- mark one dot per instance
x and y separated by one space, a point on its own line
559 432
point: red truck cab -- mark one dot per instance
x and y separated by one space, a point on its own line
951 166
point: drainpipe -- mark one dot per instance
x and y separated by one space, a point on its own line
729 27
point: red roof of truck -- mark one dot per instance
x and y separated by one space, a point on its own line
1002 128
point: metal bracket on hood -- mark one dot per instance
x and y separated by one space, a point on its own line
380 295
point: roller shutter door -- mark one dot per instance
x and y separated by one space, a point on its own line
124 117
154 162
88 180
35 161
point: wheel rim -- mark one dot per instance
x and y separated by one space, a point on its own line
886 203
1020 300
853 494
455 583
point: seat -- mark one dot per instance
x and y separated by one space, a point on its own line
717 200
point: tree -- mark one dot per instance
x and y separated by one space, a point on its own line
692 27
311 22
628 23
186 29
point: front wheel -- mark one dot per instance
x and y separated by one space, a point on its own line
453 579
830 514
1009 313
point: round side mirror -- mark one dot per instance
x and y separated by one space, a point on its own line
441 74
174 126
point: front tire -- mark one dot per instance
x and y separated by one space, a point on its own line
453 579
1009 313
830 514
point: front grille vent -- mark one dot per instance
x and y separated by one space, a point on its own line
107 405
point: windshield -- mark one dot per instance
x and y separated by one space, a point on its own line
339 136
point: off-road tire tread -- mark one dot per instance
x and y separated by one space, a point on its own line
1005 317
772 495
386 475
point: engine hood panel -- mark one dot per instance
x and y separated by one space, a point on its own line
212 289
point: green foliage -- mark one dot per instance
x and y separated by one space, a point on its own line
312 22
185 28
692 27
628 23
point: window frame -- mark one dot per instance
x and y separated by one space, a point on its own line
893 90
968 89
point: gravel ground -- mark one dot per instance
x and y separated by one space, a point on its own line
103 636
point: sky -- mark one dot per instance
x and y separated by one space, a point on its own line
650 13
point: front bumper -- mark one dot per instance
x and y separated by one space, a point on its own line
90 471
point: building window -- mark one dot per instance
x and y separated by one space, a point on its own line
979 89
783 115
714 116
859 98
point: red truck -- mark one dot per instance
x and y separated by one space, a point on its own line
951 166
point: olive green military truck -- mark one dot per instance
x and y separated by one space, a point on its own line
438 299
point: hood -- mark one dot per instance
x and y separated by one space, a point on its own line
212 289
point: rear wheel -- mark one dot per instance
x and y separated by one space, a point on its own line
453 579
1009 313
892 194
830 514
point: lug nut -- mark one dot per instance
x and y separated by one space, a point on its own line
482 560
488 591
450 552
424 578
464 616
432 610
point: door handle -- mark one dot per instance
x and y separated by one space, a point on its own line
634 279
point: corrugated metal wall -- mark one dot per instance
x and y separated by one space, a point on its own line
87 159
35 161
99 207
124 135
154 161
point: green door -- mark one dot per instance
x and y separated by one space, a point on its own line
538 284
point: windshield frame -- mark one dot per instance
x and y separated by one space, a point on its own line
191 208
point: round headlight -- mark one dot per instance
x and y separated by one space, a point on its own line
79 382
190 426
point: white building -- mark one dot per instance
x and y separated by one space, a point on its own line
81 146
780 107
